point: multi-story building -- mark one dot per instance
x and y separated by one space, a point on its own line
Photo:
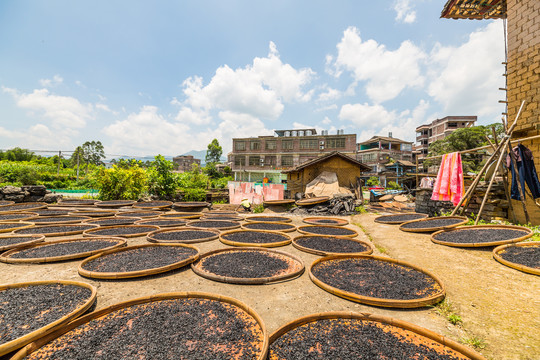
185 162
439 129
388 157
255 158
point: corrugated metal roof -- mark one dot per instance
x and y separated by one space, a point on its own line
474 9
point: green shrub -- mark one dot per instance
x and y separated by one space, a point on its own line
257 209
120 184
192 194
392 185
162 182
372 181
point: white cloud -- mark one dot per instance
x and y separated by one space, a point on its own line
326 121
148 132
187 115
465 79
63 111
38 137
329 95
386 72
258 90
365 115
57 79
404 11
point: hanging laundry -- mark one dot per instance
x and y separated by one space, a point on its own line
449 184
427 182
526 170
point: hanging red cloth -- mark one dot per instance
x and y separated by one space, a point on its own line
449 185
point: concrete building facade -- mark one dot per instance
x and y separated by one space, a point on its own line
185 162
255 158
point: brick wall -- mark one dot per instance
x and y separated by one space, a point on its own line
523 81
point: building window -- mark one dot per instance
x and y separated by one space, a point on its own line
286 160
270 145
335 143
240 145
270 160
308 144
240 160
452 125
255 145
286 144
254 160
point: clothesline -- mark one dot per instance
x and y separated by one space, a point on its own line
483 147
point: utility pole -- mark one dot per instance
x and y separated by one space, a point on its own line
59 157
78 164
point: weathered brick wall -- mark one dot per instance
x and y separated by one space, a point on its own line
523 81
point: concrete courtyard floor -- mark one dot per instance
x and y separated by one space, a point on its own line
499 306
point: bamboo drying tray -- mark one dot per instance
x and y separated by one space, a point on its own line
328 253
157 205
316 220
191 206
393 303
76 202
6 202
312 201
193 224
18 216
287 239
482 244
145 214
151 236
30 348
500 249
92 232
221 213
94 213
161 222
296 271
260 218
55 325
15 225
137 273
380 220
23 207
98 221
181 215
36 239
7 256
464 350
290 227
62 219
65 233
278 202
114 203
432 229
222 217
305 230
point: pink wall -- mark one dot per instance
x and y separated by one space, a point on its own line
256 193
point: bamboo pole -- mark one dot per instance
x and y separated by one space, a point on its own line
505 179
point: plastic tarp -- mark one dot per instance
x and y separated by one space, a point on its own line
325 184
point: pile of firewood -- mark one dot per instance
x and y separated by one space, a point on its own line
338 205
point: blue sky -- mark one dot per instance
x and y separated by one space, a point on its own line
169 76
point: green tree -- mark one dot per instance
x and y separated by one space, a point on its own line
213 154
465 139
120 184
161 180
93 153
18 154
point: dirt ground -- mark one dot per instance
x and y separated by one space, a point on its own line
497 304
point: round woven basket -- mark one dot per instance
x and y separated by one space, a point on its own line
260 218
6 202
197 269
181 215
35 239
380 219
306 230
222 217
137 273
62 219
158 297
312 201
191 206
17 216
7 256
114 203
162 222
193 224
10 346
14 225
463 221
482 244
287 239
151 237
289 227
23 207
278 202
500 249
319 220
94 213
328 253
76 202
153 205
144 231
392 303
439 339
120 220
143 214
72 229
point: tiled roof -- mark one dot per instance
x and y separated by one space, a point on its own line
362 166
474 9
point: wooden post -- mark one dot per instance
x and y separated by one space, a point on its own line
58 168
77 165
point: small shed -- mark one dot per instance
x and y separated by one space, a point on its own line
347 169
